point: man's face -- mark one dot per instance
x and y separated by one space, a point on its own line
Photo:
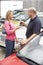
30 13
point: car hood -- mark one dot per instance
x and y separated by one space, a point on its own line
12 60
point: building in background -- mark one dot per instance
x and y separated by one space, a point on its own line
10 5
38 4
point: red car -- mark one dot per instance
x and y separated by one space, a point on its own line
12 60
30 54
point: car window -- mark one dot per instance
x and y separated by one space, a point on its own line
15 15
33 50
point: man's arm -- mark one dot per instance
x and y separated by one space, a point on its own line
31 37
36 30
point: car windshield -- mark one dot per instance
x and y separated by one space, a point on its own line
15 15
34 50
22 17
41 18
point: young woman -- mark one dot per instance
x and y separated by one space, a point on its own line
10 33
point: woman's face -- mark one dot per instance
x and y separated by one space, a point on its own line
11 16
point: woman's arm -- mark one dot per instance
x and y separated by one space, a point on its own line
8 30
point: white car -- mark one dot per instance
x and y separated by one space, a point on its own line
21 32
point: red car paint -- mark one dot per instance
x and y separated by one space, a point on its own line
12 60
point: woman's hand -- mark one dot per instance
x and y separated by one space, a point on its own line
16 28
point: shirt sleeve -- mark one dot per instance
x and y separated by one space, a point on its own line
36 28
7 28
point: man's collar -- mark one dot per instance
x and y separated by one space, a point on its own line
33 18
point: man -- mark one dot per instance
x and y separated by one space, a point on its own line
33 28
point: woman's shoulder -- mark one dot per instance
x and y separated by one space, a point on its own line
6 22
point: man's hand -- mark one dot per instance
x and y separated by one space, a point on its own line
22 23
28 40
23 42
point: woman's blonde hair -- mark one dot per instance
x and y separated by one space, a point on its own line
7 14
